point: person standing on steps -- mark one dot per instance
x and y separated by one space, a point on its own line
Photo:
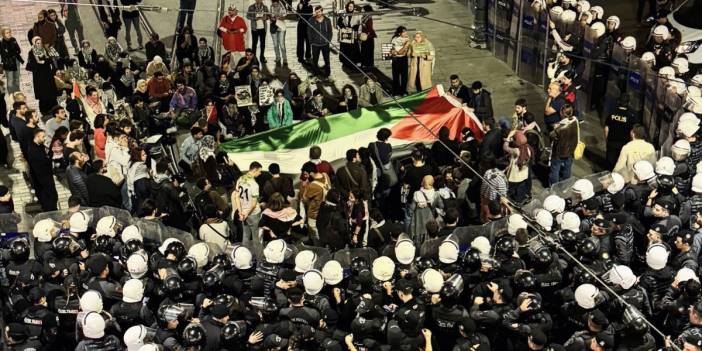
186 13
304 11
40 171
11 57
110 17
130 16
232 29
74 25
319 35
258 14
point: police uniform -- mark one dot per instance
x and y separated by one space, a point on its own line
620 122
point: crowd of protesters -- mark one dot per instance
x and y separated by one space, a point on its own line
446 249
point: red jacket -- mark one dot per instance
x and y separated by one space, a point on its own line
233 39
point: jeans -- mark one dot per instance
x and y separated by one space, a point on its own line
250 228
519 192
400 70
186 16
13 80
303 45
128 22
326 71
314 234
279 45
256 35
72 30
560 170
407 210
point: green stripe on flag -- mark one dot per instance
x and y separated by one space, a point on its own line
313 132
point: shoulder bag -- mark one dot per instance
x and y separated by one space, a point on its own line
388 175
580 147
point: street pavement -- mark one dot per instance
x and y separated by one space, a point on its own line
445 23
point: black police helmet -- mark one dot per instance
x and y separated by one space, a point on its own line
233 330
62 245
211 280
224 299
423 263
133 245
194 335
173 284
19 250
103 243
589 247
177 249
221 260
524 280
665 183
187 267
543 257
583 277
471 259
358 264
568 239
505 246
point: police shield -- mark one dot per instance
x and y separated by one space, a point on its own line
123 217
185 237
662 120
635 84
588 68
530 46
16 223
153 232
649 101
616 83
346 256
673 108
62 216
513 39
503 20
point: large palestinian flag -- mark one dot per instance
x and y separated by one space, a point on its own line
289 146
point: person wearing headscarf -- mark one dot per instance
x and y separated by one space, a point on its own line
421 53
75 72
280 113
60 44
42 67
232 29
87 56
112 51
157 65
348 24
142 90
521 155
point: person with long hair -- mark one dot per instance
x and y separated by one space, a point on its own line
426 204
138 177
400 68
278 219
367 38
349 99
348 24
56 146
100 138
521 156
421 66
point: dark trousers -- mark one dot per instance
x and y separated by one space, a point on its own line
520 191
400 69
3 150
186 16
256 35
325 72
367 51
612 154
560 170
303 45
45 105
640 9
47 195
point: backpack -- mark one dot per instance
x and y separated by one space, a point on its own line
542 153
201 202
